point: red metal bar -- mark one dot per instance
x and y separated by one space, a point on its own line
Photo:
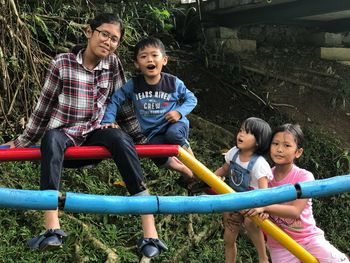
87 152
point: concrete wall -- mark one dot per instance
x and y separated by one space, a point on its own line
212 5
225 40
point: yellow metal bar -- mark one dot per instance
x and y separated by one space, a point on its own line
221 187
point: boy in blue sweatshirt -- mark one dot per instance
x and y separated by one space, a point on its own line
161 102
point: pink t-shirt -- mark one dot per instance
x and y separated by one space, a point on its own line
303 228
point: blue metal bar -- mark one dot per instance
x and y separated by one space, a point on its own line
103 204
325 187
85 203
28 199
227 202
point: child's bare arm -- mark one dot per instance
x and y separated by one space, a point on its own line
263 182
222 171
10 143
291 210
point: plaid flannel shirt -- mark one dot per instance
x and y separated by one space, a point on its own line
74 100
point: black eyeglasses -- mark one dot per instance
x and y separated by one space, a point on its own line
105 36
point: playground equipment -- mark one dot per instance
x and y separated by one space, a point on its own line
85 152
100 204
103 204
73 202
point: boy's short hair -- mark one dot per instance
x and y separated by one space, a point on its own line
148 41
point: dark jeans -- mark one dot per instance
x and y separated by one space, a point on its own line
177 133
120 145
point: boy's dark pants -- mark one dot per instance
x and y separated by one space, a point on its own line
120 145
176 133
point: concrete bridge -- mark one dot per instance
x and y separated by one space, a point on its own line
325 23
327 15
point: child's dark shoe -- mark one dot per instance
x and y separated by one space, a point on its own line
193 185
151 247
51 239
198 187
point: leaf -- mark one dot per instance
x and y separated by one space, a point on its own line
45 30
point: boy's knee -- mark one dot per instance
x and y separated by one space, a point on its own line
175 137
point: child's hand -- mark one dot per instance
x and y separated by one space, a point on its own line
252 211
10 143
173 116
110 125
264 216
222 178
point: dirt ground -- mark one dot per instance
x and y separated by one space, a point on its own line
307 89
314 92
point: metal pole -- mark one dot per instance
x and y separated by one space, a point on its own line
85 152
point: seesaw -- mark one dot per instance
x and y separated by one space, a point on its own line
74 201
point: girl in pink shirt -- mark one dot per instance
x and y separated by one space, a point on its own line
295 217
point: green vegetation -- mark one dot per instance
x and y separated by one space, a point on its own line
36 30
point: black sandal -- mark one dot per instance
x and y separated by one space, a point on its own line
51 239
193 185
151 247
